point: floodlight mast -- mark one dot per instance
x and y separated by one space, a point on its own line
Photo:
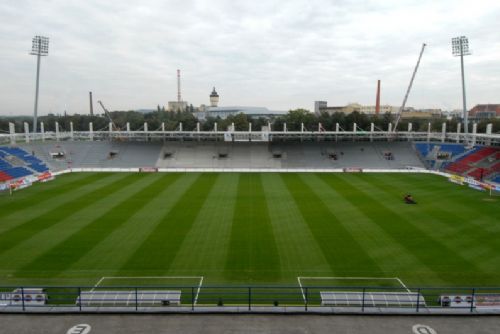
460 47
39 48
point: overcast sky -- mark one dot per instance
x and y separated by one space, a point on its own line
276 54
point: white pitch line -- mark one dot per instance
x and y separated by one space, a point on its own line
301 289
402 284
198 291
97 284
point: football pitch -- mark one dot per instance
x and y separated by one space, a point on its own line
249 228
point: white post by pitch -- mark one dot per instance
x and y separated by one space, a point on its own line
319 127
198 127
146 128
354 127
459 128
301 127
410 128
249 127
232 127
372 129
71 130
269 126
428 131
180 126
91 131
284 127
337 127
57 131
489 130
26 132
163 127
110 130
12 132
443 132
128 127
474 131
215 127
42 130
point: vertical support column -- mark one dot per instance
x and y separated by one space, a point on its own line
428 131
301 127
198 127
389 128
215 127
110 127
128 126
410 128
91 131
26 132
163 127
443 132
337 127
12 132
284 127
459 128
319 127
372 130
269 126
57 131
489 130
249 126
180 126
42 130
474 131
146 127
232 127
71 130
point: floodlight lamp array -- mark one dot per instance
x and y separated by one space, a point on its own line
40 46
460 46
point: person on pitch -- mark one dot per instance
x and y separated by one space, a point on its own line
409 199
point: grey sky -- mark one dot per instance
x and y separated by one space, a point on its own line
278 54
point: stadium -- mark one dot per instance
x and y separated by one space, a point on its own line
242 221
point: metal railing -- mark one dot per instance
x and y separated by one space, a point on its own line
300 299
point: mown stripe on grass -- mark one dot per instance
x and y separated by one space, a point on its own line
458 229
160 248
30 199
390 256
299 253
43 201
204 250
110 254
64 254
26 229
443 261
343 252
253 254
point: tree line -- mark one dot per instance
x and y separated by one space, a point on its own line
293 119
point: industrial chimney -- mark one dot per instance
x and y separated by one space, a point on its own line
377 103
91 104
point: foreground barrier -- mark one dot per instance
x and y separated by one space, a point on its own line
245 299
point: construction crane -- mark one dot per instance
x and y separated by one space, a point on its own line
409 88
108 114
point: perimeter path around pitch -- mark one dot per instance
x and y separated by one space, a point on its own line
249 324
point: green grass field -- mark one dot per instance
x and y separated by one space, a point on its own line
237 228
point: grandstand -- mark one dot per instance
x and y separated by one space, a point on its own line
17 163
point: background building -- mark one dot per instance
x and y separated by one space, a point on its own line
485 111
177 106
